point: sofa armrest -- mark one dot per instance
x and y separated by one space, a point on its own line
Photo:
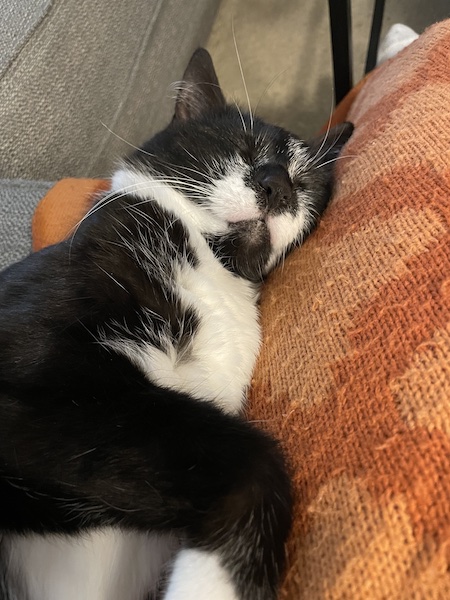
18 201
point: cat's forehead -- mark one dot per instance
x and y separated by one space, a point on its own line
233 133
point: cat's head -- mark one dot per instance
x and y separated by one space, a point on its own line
255 189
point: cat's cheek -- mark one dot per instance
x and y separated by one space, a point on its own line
284 230
230 198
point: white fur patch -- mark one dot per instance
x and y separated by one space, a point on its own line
299 158
285 229
102 565
199 576
224 348
231 199
195 218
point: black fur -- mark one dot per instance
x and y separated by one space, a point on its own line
87 441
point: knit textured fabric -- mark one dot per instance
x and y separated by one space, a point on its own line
354 372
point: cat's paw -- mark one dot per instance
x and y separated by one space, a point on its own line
198 575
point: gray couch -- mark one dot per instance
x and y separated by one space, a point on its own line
71 73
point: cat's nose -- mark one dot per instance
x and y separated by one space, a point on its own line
276 185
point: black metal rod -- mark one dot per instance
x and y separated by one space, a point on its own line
374 41
341 34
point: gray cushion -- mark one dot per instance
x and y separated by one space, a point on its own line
18 200
18 21
80 63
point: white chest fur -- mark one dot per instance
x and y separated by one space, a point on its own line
223 349
219 361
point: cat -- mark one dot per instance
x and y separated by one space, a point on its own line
127 470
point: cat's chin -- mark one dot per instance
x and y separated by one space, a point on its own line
254 232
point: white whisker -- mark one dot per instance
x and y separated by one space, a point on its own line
189 153
242 75
244 126
335 159
112 277
313 159
268 86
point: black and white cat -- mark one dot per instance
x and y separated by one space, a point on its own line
126 468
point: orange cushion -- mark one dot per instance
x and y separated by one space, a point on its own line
64 205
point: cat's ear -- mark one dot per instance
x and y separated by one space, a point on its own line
200 90
328 146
